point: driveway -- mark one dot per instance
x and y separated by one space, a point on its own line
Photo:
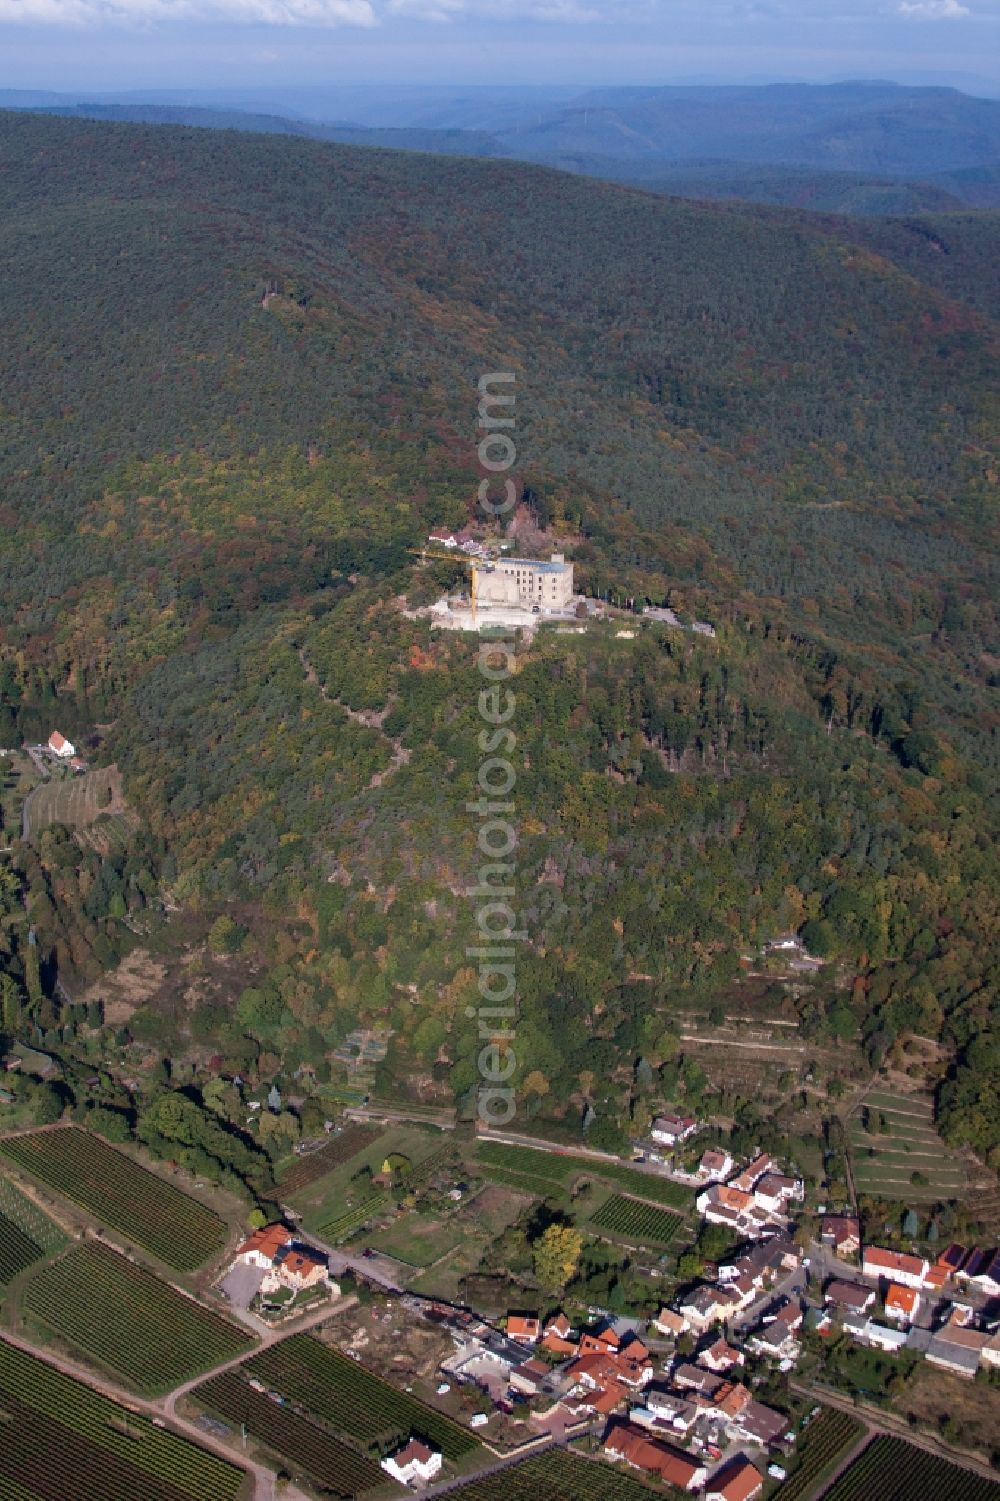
241 1284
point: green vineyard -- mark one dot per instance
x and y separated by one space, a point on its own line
309 1168
892 1470
556 1170
632 1220
61 1439
117 1191
822 1443
344 1224
351 1399
26 1215
557 1476
332 1465
17 1250
130 1322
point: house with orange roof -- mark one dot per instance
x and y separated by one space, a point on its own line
720 1357
627 1443
559 1325
262 1247
524 1327
901 1303
738 1481
298 1267
554 1344
61 747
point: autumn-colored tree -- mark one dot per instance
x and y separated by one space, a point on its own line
555 1254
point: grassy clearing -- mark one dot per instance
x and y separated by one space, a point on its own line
419 1240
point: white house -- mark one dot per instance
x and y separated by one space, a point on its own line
670 1129
895 1266
414 1462
61 747
773 1191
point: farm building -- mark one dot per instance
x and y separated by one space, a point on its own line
957 1350
262 1248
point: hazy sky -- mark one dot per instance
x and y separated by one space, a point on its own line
119 44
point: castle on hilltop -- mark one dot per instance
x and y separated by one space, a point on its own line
524 582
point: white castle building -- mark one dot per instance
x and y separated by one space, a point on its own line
525 582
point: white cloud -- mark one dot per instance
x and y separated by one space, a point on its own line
933 10
521 10
79 13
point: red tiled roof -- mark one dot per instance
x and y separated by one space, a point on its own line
739 1481
268 1241
411 1451
893 1261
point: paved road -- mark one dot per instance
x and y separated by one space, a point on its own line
793 1284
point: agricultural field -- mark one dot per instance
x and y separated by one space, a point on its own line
79 802
129 1322
74 1445
306 1448
26 1215
892 1470
542 1172
822 1444
354 1401
636 1222
558 1476
17 1250
120 1193
312 1166
884 1161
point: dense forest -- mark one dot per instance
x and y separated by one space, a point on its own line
239 380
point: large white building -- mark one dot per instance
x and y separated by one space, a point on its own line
525 582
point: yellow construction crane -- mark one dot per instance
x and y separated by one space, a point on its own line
462 559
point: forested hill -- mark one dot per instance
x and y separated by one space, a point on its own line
238 382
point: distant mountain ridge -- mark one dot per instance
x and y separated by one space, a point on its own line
856 148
